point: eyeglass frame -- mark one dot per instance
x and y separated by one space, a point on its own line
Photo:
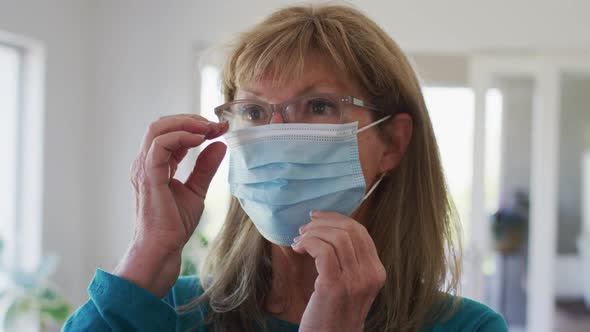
280 107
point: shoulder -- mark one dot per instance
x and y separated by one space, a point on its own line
471 315
181 297
185 290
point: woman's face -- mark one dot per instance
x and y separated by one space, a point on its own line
319 76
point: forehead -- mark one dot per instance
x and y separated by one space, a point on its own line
317 75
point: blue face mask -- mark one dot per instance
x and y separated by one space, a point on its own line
281 172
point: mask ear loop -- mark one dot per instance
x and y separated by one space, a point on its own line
373 124
373 187
382 175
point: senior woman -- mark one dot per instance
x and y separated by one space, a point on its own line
340 219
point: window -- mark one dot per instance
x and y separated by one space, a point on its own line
451 111
10 86
493 153
218 197
21 143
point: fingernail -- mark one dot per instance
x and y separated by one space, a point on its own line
311 213
200 136
296 239
207 125
303 227
219 126
210 126
295 245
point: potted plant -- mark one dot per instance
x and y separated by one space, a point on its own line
27 298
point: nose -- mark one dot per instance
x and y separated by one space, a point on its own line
276 117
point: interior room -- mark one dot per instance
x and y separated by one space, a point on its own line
506 85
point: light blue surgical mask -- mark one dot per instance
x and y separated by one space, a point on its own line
281 172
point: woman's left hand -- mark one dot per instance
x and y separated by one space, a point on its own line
350 273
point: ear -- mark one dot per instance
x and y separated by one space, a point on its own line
398 133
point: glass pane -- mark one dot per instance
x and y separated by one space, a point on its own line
451 110
217 201
9 91
508 117
573 236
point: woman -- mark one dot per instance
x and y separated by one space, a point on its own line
340 219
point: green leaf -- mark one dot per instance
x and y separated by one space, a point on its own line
19 307
48 294
53 306
58 313
188 267
202 239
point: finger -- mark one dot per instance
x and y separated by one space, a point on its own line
326 261
219 128
177 123
364 245
342 243
205 168
179 155
175 160
161 150
370 266
188 115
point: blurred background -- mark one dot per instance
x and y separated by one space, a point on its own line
507 84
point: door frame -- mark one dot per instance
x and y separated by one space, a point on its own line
546 72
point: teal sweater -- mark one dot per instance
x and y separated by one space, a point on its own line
117 304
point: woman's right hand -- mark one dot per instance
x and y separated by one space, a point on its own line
167 210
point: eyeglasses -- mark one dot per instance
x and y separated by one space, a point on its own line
317 108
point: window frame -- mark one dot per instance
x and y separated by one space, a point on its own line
12 260
28 205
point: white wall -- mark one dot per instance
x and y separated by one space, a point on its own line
441 69
60 25
419 26
143 69
465 26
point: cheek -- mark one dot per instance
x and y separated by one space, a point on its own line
370 151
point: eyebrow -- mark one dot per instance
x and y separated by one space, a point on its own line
304 91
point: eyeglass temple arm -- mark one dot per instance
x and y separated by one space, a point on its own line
362 103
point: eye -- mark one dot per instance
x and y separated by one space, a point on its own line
321 106
251 112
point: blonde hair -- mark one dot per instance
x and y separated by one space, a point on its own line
412 223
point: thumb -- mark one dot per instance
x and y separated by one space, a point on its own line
205 168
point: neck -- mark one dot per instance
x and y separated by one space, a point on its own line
292 283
